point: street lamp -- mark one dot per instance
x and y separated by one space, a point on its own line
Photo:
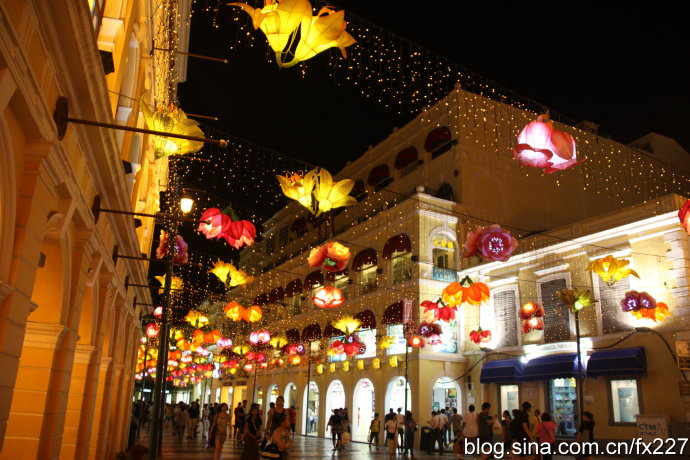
186 203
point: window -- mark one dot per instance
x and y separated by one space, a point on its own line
343 283
367 280
625 400
509 397
402 267
557 316
396 330
449 337
296 304
283 237
368 337
506 318
269 245
609 298
336 358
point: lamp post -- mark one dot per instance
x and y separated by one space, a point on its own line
580 388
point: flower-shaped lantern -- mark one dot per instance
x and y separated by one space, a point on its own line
540 145
611 269
328 297
490 243
331 257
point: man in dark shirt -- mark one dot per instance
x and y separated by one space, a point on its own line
193 420
485 424
389 416
519 428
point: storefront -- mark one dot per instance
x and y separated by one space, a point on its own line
395 395
311 410
290 395
335 399
445 394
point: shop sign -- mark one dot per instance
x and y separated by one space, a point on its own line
683 353
652 426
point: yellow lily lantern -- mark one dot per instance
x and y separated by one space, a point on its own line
316 190
346 366
196 318
376 362
175 285
326 30
360 365
611 269
173 120
347 324
393 361
331 367
298 186
319 369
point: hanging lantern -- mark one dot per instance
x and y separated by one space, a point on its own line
224 343
248 367
180 251
576 299
346 366
376 363
393 361
331 257
327 30
456 294
316 191
532 324
158 312
426 329
684 217
319 369
490 243
259 337
438 311
173 120
278 341
540 145
152 330
531 309
196 318
360 364
296 348
658 313
295 360
480 336
347 324
435 339
387 341
252 314
611 269
328 297
415 342
214 223
175 285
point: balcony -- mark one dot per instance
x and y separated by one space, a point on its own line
444 274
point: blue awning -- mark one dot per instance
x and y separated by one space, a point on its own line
561 366
501 370
624 362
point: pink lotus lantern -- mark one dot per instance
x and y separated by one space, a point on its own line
540 145
224 343
259 337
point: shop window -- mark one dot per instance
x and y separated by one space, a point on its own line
609 298
449 338
557 316
368 337
336 358
563 396
625 400
367 280
402 267
343 283
506 318
509 396
396 330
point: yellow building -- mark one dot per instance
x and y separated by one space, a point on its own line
419 193
69 322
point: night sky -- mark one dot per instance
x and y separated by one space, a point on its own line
623 67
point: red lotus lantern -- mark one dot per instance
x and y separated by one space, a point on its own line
152 330
295 360
214 223
540 145
240 233
684 216
531 309
416 341
480 336
248 367
296 348
250 356
532 324
338 347
353 345
328 297
438 311
260 357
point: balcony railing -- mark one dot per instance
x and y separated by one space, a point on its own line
444 274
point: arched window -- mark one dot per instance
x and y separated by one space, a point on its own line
398 249
367 318
379 177
276 295
359 191
292 335
365 263
406 160
438 141
294 290
444 255
311 333
261 299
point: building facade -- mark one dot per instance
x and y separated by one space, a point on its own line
419 193
69 317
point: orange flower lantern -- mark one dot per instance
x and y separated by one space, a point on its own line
328 297
331 256
659 313
456 294
237 312
295 360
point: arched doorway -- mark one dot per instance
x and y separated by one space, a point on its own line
335 398
272 397
445 393
363 409
395 395
290 395
311 410
259 397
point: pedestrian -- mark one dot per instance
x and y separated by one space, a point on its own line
374 430
271 421
193 421
470 427
546 434
293 420
444 430
449 431
585 434
204 421
456 423
534 420
239 422
252 434
182 420
392 428
519 428
401 429
168 414
436 426
336 425
388 416
505 431
410 428
282 435
219 430
485 424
